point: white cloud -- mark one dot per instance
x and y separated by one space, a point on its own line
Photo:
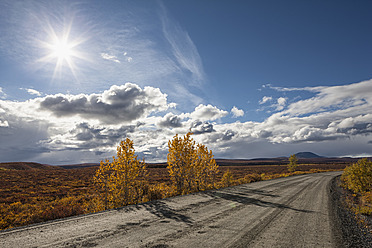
334 117
110 57
265 99
281 102
237 112
346 98
127 58
286 89
335 112
4 123
2 93
183 48
207 112
279 105
32 91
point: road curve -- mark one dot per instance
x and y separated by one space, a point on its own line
285 212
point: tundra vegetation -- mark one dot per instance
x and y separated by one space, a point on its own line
30 196
358 179
122 181
191 166
292 163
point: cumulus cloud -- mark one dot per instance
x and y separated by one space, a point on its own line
86 137
281 102
361 124
335 112
170 120
107 56
123 103
325 118
200 127
237 112
207 112
4 123
344 98
228 135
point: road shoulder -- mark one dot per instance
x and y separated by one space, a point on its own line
347 232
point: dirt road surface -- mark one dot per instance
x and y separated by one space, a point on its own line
285 212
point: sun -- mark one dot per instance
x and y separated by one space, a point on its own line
61 50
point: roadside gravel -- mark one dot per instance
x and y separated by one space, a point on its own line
347 231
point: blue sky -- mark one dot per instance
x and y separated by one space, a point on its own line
249 78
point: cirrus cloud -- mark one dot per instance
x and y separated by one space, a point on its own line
107 56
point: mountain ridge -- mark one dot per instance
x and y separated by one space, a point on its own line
308 155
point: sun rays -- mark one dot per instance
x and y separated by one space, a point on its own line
62 50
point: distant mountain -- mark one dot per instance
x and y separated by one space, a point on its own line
77 166
26 166
307 155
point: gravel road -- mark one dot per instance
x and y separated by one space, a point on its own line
285 212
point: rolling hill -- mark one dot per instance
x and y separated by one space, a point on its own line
27 166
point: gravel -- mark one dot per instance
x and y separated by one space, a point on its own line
348 232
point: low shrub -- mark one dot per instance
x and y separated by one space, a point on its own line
358 177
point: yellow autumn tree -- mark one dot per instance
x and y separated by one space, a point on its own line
122 181
227 179
206 168
191 166
358 177
292 163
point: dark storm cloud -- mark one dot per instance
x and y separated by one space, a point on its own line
200 127
360 128
170 120
123 103
228 135
84 132
264 134
103 136
20 141
85 137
